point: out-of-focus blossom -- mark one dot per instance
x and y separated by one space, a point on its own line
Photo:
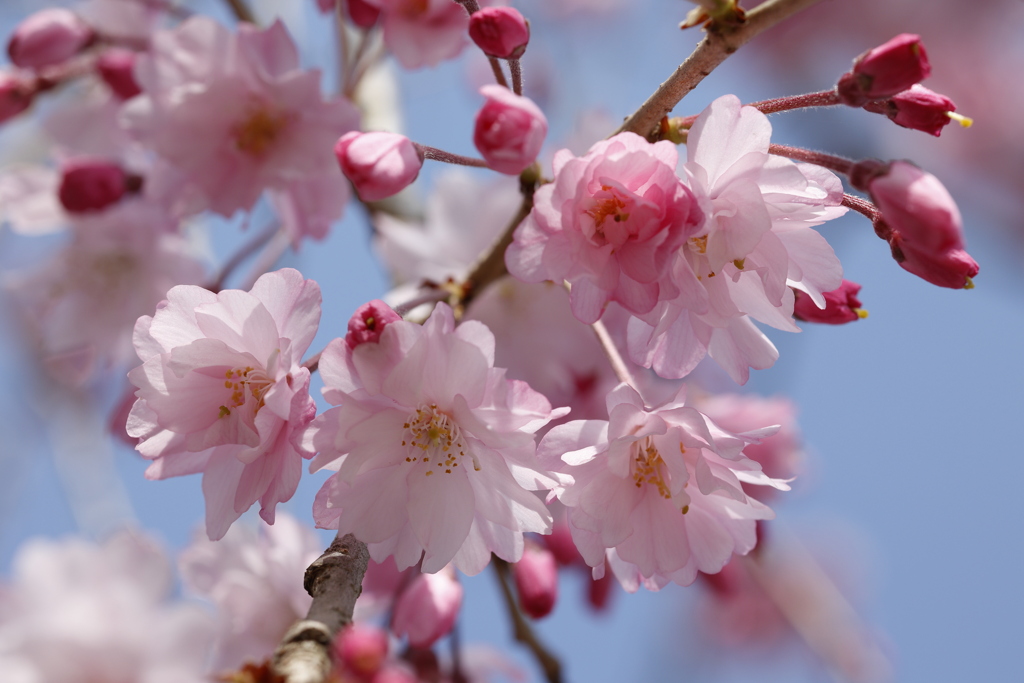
509 130
918 108
255 580
379 164
83 302
362 649
47 38
77 612
609 225
883 71
841 306
363 13
222 391
91 185
756 244
16 95
657 492
500 32
536 579
116 67
921 223
423 32
434 447
428 607
253 119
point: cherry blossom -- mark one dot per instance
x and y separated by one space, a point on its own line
253 119
433 447
657 491
222 391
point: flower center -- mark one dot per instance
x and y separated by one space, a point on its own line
413 9
244 383
607 204
649 467
258 132
435 440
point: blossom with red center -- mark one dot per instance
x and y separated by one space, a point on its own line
253 120
434 447
222 391
609 225
657 491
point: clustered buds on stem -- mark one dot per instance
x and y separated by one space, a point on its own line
885 70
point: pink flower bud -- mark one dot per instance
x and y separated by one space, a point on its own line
509 130
48 37
561 545
363 14
327 6
362 649
536 577
885 70
368 323
426 610
378 164
91 185
599 591
394 674
115 68
16 96
500 32
926 233
841 306
918 108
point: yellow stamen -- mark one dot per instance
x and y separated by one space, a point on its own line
964 121
861 313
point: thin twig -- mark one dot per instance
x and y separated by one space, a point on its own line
272 252
335 582
516 69
523 632
716 46
241 11
612 351
247 250
832 162
499 74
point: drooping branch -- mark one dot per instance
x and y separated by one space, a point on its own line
522 630
335 581
241 11
717 45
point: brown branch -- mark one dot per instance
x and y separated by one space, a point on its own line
719 43
523 632
335 581
241 11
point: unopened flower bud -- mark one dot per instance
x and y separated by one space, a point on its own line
561 545
841 306
885 70
91 185
48 37
362 649
115 67
925 228
599 591
378 164
362 13
509 130
368 323
16 96
919 108
500 32
536 577
426 610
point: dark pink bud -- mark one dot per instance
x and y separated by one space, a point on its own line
599 591
885 70
369 322
426 610
841 306
363 14
919 108
16 96
536 577
509 130
378 164
91 185
394 674
48 37
115 68
561 545
925 228
500 32
327 6
362 649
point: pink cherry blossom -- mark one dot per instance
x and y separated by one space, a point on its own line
253 119
78 612
756 244
657 491
423 32
254 578
509 130
609 224
428 608
434 447
222 391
